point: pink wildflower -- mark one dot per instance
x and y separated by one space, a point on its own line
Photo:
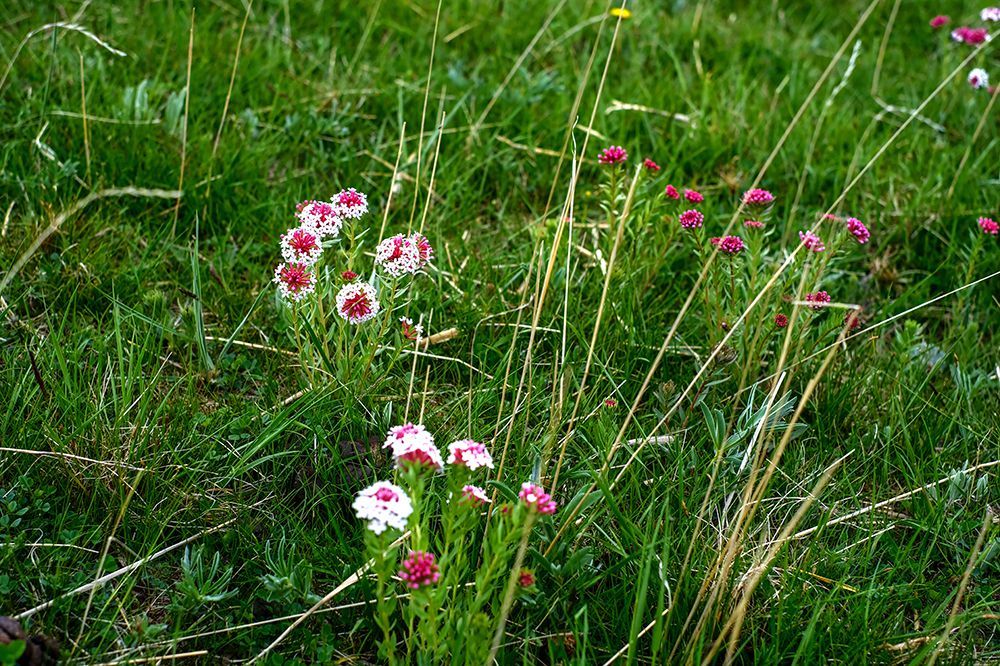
349 275
383 505
535 497
419 570
780 320
970 36
610 403
691 219
650 165
990 14
398 255
413 444
753 224
612 155
811 241
301 246
757 197
351 203
830 216
320 217
989 226
852 320
671 192
525 578
858 230
817 300
357 302
693 196
469 453
295 281
410 331
475 495
939 21
731 245
979 78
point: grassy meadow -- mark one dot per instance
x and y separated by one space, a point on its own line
178 457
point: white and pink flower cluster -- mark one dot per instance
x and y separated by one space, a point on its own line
321 222
383 505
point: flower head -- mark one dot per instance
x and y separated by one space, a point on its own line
753 224
939 21
535 497
413 444
620 12
398 255
780 320
858 230
612 155
978 78
988 226
525 578
817 300
990 14
357 302
475 495
970 36
383 505
731 245
811 241
692 219
610 403
295 281
351 203
410 331
469 453
671 193
852 320
757 197
301 246
693 196
349 275
320 217
423 247
419 570
650 165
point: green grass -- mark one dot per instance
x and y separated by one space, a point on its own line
113 351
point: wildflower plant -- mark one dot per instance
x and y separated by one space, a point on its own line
442 551
340 308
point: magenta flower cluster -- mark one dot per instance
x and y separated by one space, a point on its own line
419 570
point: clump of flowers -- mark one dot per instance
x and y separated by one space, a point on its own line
650 165
351 203
462 551
811 241
990 14
535 497
672 193
858 229
753 224
691 219
383 505
301 246
939 21
817 300
780 320
612 155
419 570
988 226
322 218
731 245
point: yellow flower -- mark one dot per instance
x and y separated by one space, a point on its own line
621 12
